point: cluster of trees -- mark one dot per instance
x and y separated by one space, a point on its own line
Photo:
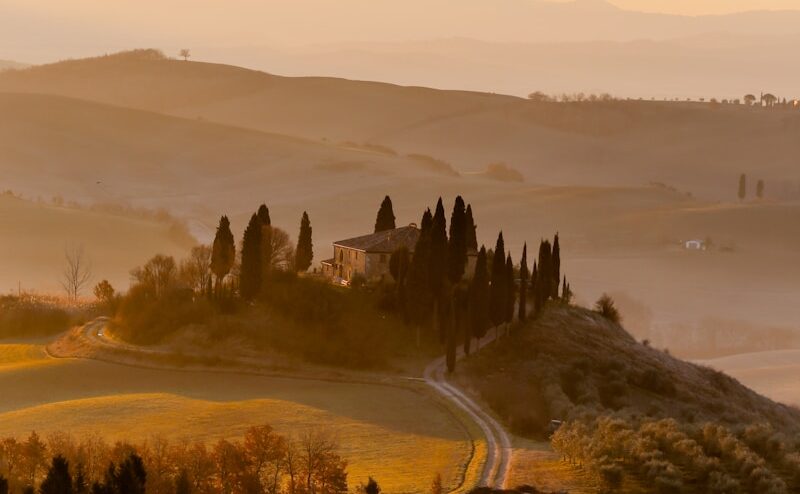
579 97
434 288
262 462
264 248
742 193
668 457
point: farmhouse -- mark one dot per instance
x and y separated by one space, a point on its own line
368 255
694 245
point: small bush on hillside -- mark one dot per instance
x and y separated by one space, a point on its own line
605 306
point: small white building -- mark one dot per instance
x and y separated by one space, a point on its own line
694 245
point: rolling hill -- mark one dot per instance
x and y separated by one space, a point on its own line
695 147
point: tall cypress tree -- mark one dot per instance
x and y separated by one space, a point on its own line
510 289
479 320
523 285
544 278
385 219
498 288
427 221
556 268
471 230
223 251
418 286
304 253
437 268
250 271
266 241
457 246
534 281
263 215
449 323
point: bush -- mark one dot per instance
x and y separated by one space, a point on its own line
605 306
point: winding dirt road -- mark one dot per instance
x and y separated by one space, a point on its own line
498 458
499 450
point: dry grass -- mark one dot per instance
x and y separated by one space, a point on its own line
22 355
382 429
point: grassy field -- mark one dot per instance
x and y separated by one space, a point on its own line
383 430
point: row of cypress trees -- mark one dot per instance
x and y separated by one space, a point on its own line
256 252
431 284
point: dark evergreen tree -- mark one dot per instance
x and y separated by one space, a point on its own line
58 479
223 252
3 485
372 486
534 281
263 215
742 187
499 287
130 477
760 189
479 320
427 221
250 271
437 267
304 253
566 291
544 278
457 246
418 286
510 289
555 268
385 219
471 230
523 285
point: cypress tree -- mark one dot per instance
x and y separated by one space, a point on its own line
544 278
418 286
457 246
479 320
263 215
3 485
742 187
304 253
556 267
250 271
449 323
427 221
534 281
399 265
58 479
471 230
437 267
760 189
223 251
523 285
510 289
385 218
498 288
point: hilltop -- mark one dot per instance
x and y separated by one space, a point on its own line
573 365
696 147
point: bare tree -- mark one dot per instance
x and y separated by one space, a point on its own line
77 271
185 54
195 271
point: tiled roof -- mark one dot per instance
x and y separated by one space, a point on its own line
384 242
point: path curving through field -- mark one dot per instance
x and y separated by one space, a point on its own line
499 450
498 458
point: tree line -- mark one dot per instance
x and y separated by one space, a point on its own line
433 289
262 462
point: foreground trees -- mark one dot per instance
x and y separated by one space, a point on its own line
263 462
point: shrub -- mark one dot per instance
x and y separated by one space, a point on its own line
605 306
22 317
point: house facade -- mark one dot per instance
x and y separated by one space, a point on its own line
368 255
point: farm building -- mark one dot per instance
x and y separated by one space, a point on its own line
694 245
368 255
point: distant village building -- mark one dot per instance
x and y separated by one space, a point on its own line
695 245
368 255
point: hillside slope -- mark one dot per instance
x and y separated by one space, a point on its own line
692 146
34 236
575 366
